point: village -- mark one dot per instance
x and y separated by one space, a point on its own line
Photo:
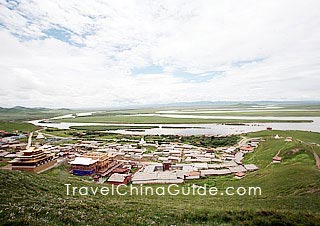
123 163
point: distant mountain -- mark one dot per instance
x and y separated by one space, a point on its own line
167 105
17 109
22 109
206 103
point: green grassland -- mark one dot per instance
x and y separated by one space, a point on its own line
126 116
14 119
259 113
101 128
26 114
125 119
17 126
290 195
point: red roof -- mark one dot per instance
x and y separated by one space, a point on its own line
246 148
277 158
240 174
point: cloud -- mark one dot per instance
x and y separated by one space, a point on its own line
116 53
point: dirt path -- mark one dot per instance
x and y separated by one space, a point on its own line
317 158
243 141
276 155
30 140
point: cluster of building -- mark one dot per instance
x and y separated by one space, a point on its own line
139 163
10 144
168 163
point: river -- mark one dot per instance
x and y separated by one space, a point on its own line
202 129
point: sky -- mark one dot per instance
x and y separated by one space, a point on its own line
95 53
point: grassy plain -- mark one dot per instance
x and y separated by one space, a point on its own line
259 113
125 119
100 128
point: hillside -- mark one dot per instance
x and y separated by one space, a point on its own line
19 113
290 195
17 126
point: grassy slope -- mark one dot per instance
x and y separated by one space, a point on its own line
26 114
290 194
20 126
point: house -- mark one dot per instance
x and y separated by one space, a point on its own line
200 165
119 178
163 159
277 159
251 167
239 157
246 149
192 175
10 155
82 166
174 159
237 169
104 161
254 144
239 175
213 172
3 153
288 139
166 177
122 170
19 146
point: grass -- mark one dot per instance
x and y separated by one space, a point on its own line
3 163
101 128
290 195
26 114
258 113
17 126
125 119
296 134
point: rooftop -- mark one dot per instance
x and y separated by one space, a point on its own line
83 161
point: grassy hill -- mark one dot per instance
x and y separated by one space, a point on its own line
19 126
24 114
290 195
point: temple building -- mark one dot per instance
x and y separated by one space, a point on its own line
33 160
93 163
83 166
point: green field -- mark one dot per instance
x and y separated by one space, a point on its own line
101 128
259 113
121 119
290 195
26 114
17 126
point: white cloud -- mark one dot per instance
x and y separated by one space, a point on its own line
81 53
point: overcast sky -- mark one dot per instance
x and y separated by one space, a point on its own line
117 53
